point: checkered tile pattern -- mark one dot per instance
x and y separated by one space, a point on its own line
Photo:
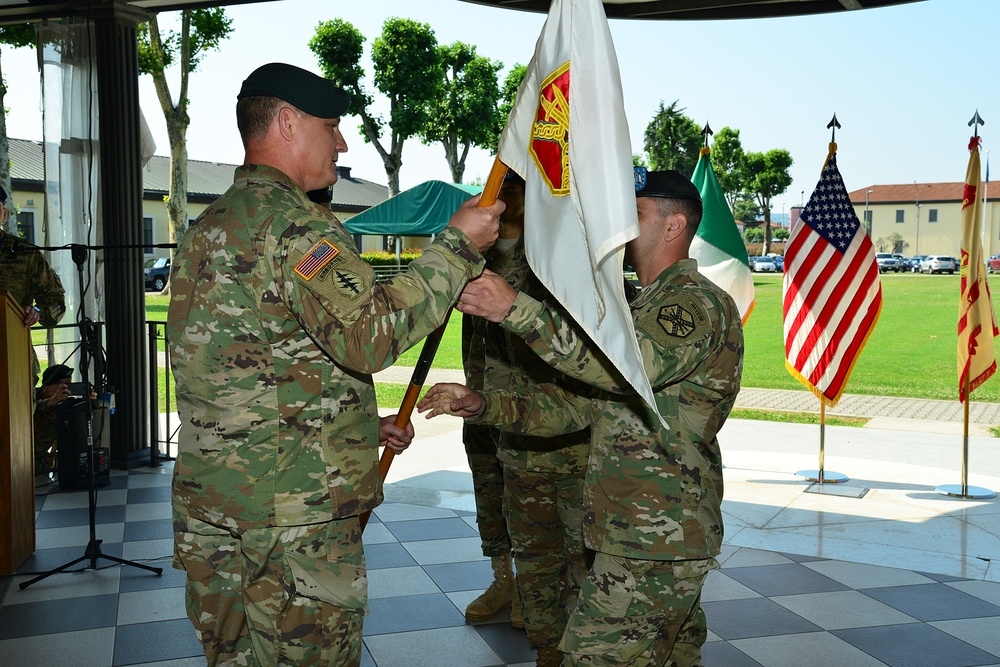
764 607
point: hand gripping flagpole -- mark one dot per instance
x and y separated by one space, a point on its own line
821 476
427 352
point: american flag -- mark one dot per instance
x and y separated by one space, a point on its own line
832 292
318 257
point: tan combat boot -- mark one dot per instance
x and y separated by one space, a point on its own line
549 656
498 596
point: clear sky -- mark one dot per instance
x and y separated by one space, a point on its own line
903 81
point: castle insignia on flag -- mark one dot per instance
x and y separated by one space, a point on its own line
549 146
321 255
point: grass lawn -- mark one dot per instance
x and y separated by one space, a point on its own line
911 353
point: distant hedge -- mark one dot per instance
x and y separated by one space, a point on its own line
386 258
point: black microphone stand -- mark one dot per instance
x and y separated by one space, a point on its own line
93 551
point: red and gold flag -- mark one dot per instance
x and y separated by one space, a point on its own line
977 323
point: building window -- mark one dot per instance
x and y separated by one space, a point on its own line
899 215
932 215
868 216
147 234
26 226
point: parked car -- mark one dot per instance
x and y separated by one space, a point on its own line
158 274
886 262
914 263
938 264
779 261
764 265
993 264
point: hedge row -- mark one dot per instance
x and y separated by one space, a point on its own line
385 258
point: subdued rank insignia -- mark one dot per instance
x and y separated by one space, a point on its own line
321 255
676 321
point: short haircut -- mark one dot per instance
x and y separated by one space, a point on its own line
691 209
254 116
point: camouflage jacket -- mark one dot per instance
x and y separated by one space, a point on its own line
30 279
275 326
497 359
650 492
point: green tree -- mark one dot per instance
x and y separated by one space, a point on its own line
766 176
727 159
407 70
466 113
201 31
508 95
746 210
781 234
22 34
639 160
753 234
672 140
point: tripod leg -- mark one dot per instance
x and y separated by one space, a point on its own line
68 565
157 570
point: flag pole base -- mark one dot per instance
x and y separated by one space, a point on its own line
829 477
970 492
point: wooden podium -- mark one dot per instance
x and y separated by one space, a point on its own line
17 459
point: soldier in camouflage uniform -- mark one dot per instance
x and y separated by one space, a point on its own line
653 493
275 326
27 276
542 476
54 390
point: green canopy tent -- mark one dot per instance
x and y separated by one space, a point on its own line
423 210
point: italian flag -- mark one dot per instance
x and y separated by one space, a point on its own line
718 246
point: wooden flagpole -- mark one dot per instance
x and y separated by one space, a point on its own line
427 352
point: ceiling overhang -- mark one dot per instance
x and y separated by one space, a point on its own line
18 11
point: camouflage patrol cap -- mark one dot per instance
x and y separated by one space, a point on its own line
307 91
669 184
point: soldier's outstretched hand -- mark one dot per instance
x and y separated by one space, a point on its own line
480 223
395 438
487 296
449 398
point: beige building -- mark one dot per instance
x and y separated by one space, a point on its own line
206 181
928 216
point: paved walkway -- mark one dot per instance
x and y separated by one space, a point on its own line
884 411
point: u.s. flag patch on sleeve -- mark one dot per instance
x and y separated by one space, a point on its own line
318 257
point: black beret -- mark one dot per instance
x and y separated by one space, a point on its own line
56 372
669 184
3 196
307 91
513 177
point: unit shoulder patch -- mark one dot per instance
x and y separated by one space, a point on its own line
682 321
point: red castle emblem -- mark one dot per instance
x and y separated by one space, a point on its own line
549 146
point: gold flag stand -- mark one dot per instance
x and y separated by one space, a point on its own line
822 476
963 490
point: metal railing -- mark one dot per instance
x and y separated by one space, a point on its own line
156 332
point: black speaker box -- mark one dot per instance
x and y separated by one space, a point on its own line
71 434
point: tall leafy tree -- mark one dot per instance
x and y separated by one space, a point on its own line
727 159
672 140
408 72
508 95
201 31
466 113
19 35
766 177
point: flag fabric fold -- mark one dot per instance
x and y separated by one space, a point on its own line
977 323
567 135
718 246
832 294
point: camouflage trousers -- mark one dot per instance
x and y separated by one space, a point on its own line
634 613
487 482
545 520
288 596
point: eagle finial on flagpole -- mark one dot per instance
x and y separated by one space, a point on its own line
976 121
835 125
